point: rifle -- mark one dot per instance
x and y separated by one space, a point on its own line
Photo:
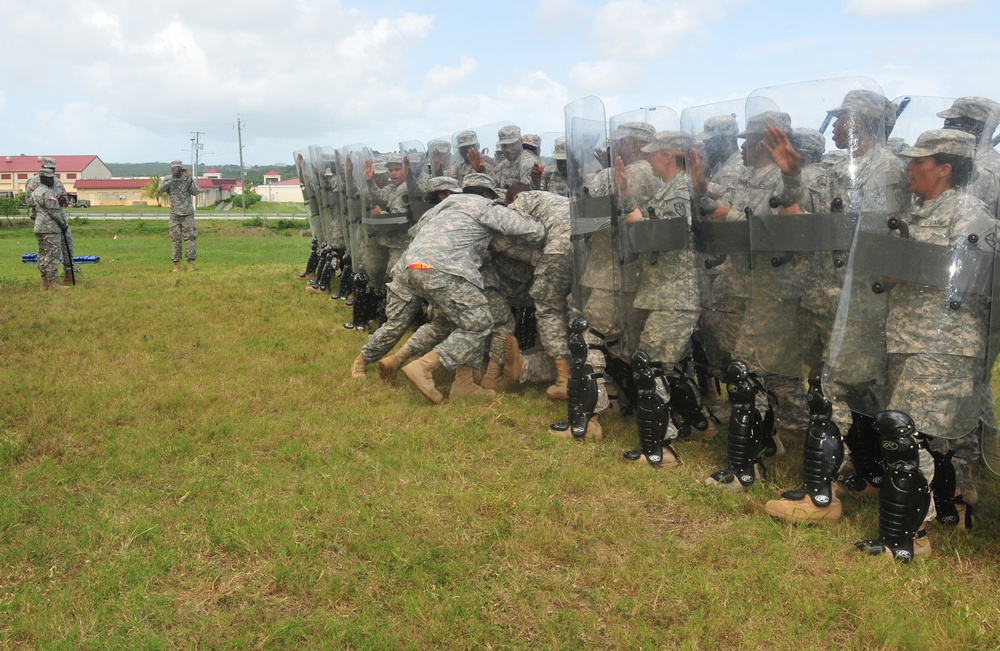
69 256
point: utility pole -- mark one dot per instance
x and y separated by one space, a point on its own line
243 176
196 148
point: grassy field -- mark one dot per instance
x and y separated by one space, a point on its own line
185 463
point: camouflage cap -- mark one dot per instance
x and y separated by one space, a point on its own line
442 183
867 103
47 162
981 109
466 138
508 135
531 140
943 141
176 163
897 145
559 149
639 130
45 171
808 140
757 123
395 158
440 145
477 180
380 167
415 158
676 141
720 126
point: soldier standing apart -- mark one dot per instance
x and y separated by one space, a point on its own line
66 242
50 227
180 187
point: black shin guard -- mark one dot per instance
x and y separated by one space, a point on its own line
313 260
943 488
750 432
360 309
862 441
582 386
346 279
686 406
652 411
905 495
824 449
525 327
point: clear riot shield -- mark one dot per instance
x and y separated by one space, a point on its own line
442 159
303 168
358 206
870 183
481 139
641 235
915 114
322 196
719 163
332 195
552 155
417 178
798 241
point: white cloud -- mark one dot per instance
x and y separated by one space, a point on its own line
873 8
441 77
648 29
606 77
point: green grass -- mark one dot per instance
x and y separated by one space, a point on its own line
185 463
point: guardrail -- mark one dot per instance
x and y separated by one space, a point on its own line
229 216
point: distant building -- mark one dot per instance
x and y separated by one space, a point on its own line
16 170
287 191
128 192
272 177
211 173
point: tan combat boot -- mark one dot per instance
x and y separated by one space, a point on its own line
358 367
512 360
68 278
54 284
177 267
494 378
421 374
389 365
803 511
594 432
464 387
560 390
190 265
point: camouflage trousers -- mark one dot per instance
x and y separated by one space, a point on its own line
401 308
465 309
50 246
666 334
503 323
378 260
552 283
537 368
183 231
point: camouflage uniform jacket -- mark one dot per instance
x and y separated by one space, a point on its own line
600 184
180 191
49 217
510 172
33 184
552 211
453 237
920 319
725 175
552 181
669 279
392 199
642 185
986 186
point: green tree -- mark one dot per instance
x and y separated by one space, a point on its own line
152 189
11 206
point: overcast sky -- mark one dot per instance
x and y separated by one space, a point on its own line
130 81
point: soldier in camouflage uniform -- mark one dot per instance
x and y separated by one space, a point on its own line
180 187
67 245
868 179
725 162
442 265
382 249
516 162
937 341
468 150
552 178
551 284
50 224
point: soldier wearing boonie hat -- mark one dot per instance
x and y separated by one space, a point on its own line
930 344
180 188
555 178
517 161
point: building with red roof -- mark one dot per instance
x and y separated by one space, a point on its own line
16 170
272 177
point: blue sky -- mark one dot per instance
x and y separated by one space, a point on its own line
130 81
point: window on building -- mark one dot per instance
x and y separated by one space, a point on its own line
70 175
22 176
5 177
